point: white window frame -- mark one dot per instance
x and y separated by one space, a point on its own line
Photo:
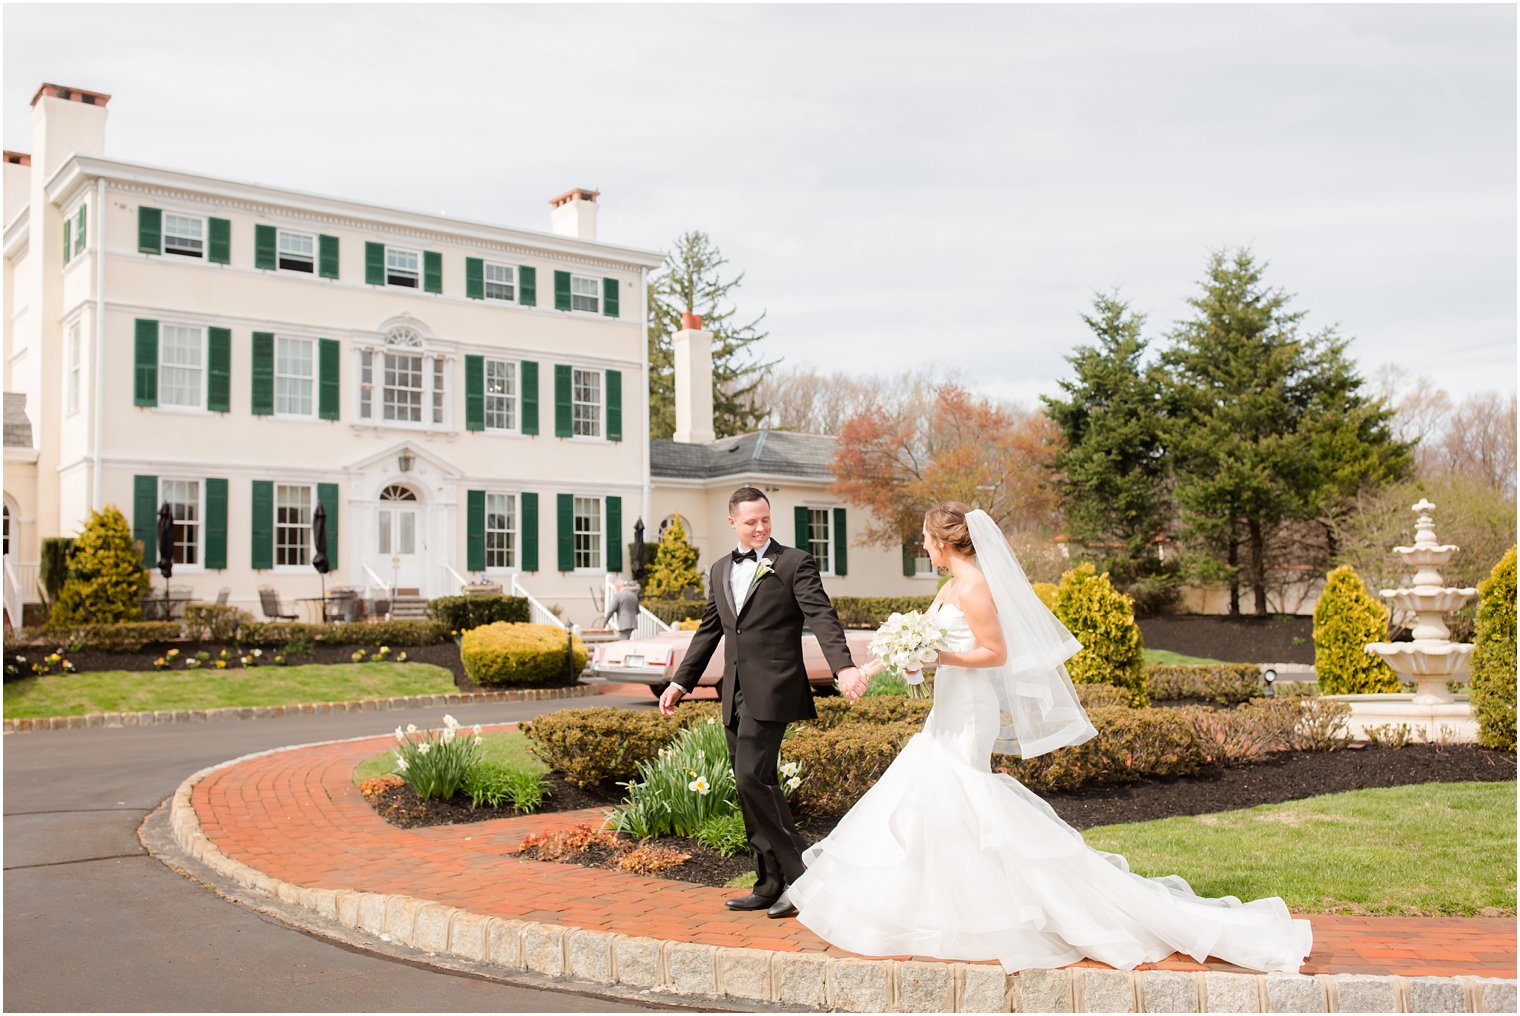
595 296
388 522
511 534
600 404
200 523
279 251
437 397
416 272
205 239
824 567
487 282
303 566
311 379
80 246
510 399
205 369
73 372
599 535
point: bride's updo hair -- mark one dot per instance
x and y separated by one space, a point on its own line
946 522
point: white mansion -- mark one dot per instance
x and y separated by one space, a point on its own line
462 399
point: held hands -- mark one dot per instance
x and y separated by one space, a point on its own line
672 694
852 683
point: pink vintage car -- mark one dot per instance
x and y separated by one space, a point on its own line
653 660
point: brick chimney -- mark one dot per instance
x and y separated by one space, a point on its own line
573 213
65 121
18 182
694 382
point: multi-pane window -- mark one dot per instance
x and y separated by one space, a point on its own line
184 235
586 403
585 294
181 366
587 528
398 520
292 524
79 230
404 383
402 387
71 392
298 252
501 282
294 376
501 395
184 500
402 267
922 563
819 541
501 531
438 372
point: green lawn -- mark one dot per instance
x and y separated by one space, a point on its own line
1177 659
1427 850
510 748
124 691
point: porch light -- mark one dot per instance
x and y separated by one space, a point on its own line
405 460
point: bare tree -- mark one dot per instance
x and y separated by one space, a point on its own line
1479 439
809 401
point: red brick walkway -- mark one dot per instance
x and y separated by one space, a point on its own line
297 816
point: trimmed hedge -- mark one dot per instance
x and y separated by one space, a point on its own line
1227 684
873 611
1493 658
461 613
507 653
841 763
675 611
1347 618
357 633
117 637
217 622
599 746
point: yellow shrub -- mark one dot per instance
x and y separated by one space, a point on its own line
514 653
1346 618
1046 591
1103 620
1493 660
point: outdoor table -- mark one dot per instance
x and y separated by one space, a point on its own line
317 607
161 608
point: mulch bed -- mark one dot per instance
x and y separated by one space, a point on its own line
1233 639
1284 776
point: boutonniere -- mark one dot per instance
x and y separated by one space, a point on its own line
762 570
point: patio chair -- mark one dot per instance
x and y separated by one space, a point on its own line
270 600
223 593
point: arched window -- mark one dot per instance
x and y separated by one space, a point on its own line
403 382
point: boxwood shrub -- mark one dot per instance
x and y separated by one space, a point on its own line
116 637
873 611
379 633
1226 684
461 613
508 653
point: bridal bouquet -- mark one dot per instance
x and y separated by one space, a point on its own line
907 642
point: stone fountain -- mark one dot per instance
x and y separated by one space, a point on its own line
1431 660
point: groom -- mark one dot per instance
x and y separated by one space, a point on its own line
759 598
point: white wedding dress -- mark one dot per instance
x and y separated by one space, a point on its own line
945 858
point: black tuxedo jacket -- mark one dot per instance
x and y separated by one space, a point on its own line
762 638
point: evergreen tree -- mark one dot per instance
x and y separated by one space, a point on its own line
690 283
106 576
673 573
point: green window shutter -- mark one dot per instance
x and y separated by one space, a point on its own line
529 377
475 531
219 241
562 397
265 248
614 405
327 256
216 522
475 278
527 286
529 525
474 393
841 543
150 230
327 497
262 504
145 377
328 373
800 516
613 538
145 517
566 532
610 297
374 264
561 290
432 271
68 246
219 370
910 564
263 373
79 232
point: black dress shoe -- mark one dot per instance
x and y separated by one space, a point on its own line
783 907
750 902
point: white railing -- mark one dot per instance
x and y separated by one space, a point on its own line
384 586
14 602
458 578
649 624
537 612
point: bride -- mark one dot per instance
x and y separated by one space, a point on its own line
943 857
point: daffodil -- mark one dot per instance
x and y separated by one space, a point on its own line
400 735
424 748
411 728
699 785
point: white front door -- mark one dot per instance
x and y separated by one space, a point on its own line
400 550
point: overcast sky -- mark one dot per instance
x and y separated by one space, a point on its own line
902 185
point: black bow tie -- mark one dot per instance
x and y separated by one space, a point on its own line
748 555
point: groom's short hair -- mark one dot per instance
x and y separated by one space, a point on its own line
744 495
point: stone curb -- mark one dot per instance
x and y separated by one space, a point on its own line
29 723
819 981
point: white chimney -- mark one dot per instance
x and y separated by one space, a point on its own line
573 213
694 382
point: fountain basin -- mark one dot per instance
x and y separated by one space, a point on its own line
1433 721
1424 658
1429 599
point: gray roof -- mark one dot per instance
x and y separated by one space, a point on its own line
18 427
764 451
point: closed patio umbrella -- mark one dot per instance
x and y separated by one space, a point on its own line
166 550
319 558
638 550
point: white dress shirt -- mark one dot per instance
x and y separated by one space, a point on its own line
743 574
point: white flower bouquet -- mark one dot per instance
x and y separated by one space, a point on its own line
907 642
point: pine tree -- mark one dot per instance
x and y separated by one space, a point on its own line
673 573
690 283
106 579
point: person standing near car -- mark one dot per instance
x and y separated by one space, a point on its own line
623 608
759 598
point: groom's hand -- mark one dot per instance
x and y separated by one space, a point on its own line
669 697
852 683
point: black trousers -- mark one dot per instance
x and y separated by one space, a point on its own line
754 747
